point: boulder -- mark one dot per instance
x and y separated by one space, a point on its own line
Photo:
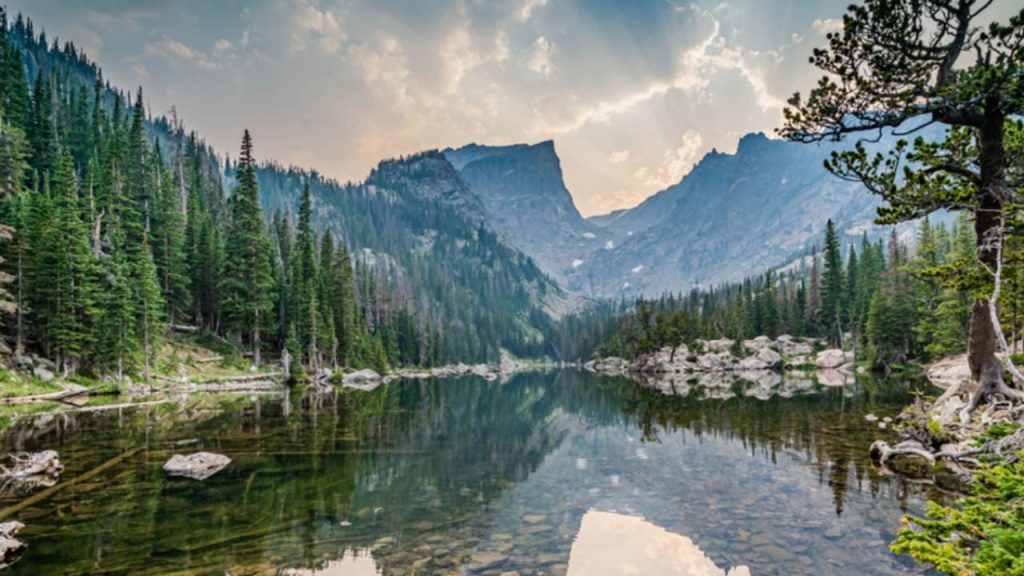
715 362
758 344
364 376
789 347
751 363
720 345
10 546
198 466
832 358
769 357
43 373
44 362
667 360
950 371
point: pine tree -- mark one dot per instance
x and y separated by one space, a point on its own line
830 314
247 281
73 307
150 306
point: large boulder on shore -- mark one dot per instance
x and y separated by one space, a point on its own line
198 466
831 359
791 347
360 377
951 371
720 345
715 362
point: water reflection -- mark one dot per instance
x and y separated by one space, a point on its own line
611 544
465 475
351 563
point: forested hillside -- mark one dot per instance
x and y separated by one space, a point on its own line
118 225
892 301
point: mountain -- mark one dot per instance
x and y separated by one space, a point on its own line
732 216
432 273
414 224
523 193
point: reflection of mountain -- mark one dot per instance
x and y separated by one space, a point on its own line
453 473
610 544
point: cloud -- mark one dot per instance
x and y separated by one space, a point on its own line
827 25
222 45
618 156
322 25
174 50
675 164
385 69
694 69
527 7
541 54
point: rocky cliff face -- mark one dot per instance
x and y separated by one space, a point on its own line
523 193
732 216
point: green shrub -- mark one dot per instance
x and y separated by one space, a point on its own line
981 534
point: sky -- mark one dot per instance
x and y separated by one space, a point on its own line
633 92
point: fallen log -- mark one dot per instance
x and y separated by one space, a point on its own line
44 494
69 392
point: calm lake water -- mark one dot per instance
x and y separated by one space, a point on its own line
546 473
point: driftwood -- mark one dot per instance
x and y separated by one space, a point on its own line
28 464
44 494
10 547
62 396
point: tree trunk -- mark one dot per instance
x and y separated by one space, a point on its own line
256 340
981 343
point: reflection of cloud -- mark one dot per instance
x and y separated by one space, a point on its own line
610 544
675 164
351 563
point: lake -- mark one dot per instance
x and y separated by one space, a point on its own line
561 472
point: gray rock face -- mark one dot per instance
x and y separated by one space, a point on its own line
525 197
198 466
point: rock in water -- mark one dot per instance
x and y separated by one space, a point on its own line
10 547
25 472
198 466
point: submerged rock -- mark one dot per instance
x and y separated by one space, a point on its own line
198 466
